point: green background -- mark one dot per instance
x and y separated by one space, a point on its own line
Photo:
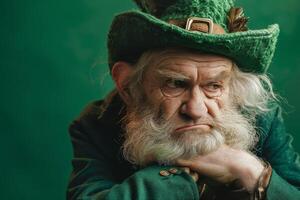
53 62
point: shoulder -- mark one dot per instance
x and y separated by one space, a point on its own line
265 124
87 120
98 129
89 113
100 114
264 120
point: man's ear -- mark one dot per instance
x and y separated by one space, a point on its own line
121 72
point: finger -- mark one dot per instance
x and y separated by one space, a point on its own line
195 176
187 163
186 169
199 167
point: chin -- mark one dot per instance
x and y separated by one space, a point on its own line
189 144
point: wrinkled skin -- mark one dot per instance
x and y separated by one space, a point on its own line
189 102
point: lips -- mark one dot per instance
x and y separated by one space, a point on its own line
204 127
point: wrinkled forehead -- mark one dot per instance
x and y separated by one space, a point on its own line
180 60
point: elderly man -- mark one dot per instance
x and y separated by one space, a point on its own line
193 115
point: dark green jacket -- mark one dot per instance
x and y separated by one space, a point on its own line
101 172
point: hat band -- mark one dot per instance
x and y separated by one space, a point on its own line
204 25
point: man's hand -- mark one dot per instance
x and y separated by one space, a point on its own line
226 165
193 174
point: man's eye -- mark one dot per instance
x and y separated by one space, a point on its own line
174 87
173 83
213 87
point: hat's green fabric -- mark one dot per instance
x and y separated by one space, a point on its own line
134 32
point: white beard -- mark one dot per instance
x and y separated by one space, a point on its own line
149 139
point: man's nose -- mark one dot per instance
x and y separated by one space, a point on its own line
195 106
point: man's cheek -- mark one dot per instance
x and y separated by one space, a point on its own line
169 108
223 100
154 99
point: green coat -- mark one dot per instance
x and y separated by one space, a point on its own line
101 172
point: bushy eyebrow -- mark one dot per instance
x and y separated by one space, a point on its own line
221 76
165 73
172 74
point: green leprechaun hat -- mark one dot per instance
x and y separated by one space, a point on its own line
211 26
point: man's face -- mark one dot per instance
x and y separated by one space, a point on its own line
183 108
189 89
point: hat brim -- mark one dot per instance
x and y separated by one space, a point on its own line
134 32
